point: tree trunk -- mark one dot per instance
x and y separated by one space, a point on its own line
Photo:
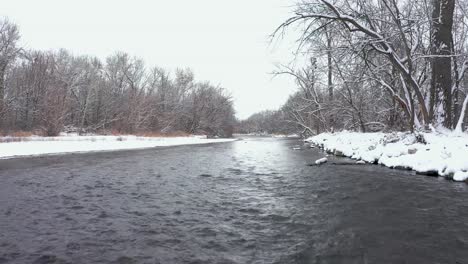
459 127
330 77
441 48
2 95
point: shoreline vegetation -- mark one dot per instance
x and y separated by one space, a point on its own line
377 77
442 154
46 92
401 68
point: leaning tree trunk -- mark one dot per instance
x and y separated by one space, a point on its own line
461 118
441 49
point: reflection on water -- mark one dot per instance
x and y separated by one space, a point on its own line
250 201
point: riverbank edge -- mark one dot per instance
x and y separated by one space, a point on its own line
432 154
49 146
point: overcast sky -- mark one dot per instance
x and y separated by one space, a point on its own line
223 41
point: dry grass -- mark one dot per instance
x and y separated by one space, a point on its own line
16 136
20 136
113 132
19 133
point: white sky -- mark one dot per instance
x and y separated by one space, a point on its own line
223 41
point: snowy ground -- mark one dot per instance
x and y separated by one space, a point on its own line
444 154
32 146
269 135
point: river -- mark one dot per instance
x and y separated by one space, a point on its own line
250 201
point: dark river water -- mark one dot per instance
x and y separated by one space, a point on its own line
249 201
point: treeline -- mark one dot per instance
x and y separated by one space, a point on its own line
267 122
379 65
49 91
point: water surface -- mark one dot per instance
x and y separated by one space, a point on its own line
250 201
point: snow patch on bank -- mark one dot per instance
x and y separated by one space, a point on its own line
321 161
33 146
445 154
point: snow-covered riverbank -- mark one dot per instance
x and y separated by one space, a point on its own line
444 154
32 146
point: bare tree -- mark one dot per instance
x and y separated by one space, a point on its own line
406 55
57 91
9 36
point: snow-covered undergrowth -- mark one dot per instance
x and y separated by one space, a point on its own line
444 154
32 146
